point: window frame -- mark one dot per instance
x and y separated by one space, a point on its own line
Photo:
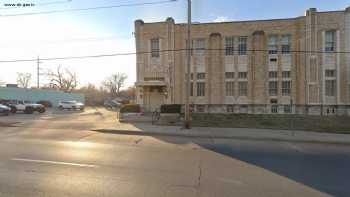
329 45
242 46
273 91
243 88
273 46
200 88
155 52
230 88
229 46
286 88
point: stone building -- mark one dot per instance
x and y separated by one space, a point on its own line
295 65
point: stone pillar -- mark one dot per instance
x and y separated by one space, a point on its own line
215 80
259 71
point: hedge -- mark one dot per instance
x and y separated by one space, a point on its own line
130 108
174 108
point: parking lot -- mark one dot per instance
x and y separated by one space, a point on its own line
61 119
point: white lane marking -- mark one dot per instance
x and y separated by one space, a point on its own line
295 147
55 162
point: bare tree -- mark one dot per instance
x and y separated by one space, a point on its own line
24 79
62 79
114 83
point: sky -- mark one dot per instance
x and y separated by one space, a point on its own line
109 31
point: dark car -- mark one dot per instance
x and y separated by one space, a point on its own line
4 110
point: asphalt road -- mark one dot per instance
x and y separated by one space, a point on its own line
55 155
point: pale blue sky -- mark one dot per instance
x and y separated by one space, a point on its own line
110 30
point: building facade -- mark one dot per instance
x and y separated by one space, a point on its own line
297 65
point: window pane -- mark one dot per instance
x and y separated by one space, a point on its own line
200 89
286 44
286 88
273 74
229 75
273 88
330 87
330 73
285 74
242 75
200 75
242 46
330 41
229 45
155 47
230 88
242 88
199 46
272 45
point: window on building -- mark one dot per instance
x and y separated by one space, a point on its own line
330 73
286 88
273 74
155 47
286 74
230 108
200 89
287 109
242 75
230 88
286 44
330 87
200 108
330 41
200 75
229 45
242 46
272 45
242 88
273 88
191 89
274 106
229 75
199 46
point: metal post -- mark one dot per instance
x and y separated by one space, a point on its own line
187 123
38 73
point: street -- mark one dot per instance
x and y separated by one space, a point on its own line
59 155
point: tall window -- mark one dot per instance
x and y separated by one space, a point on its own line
230 88
273 44
200 88
229 75
286 74
330 87
242 46
191 89
242 75
286 44
199 46
242 88
330 73
229 45
273 88
286 88
200 75
155 47
273 74
330 41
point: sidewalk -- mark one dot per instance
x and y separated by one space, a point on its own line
147 129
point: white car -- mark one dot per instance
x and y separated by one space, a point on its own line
27 107
71 105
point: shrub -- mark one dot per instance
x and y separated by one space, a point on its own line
174 108
130 108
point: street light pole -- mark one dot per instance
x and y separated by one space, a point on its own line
187 122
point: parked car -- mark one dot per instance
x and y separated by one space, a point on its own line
27 107
71 105
112 104
4 110
47 104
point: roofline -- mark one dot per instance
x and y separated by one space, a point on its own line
250 21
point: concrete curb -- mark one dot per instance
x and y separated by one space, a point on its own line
147 133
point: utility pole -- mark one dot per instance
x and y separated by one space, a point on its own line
187 123
38 72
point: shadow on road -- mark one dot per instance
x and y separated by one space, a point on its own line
327 172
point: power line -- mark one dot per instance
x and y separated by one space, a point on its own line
161 51
90 8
